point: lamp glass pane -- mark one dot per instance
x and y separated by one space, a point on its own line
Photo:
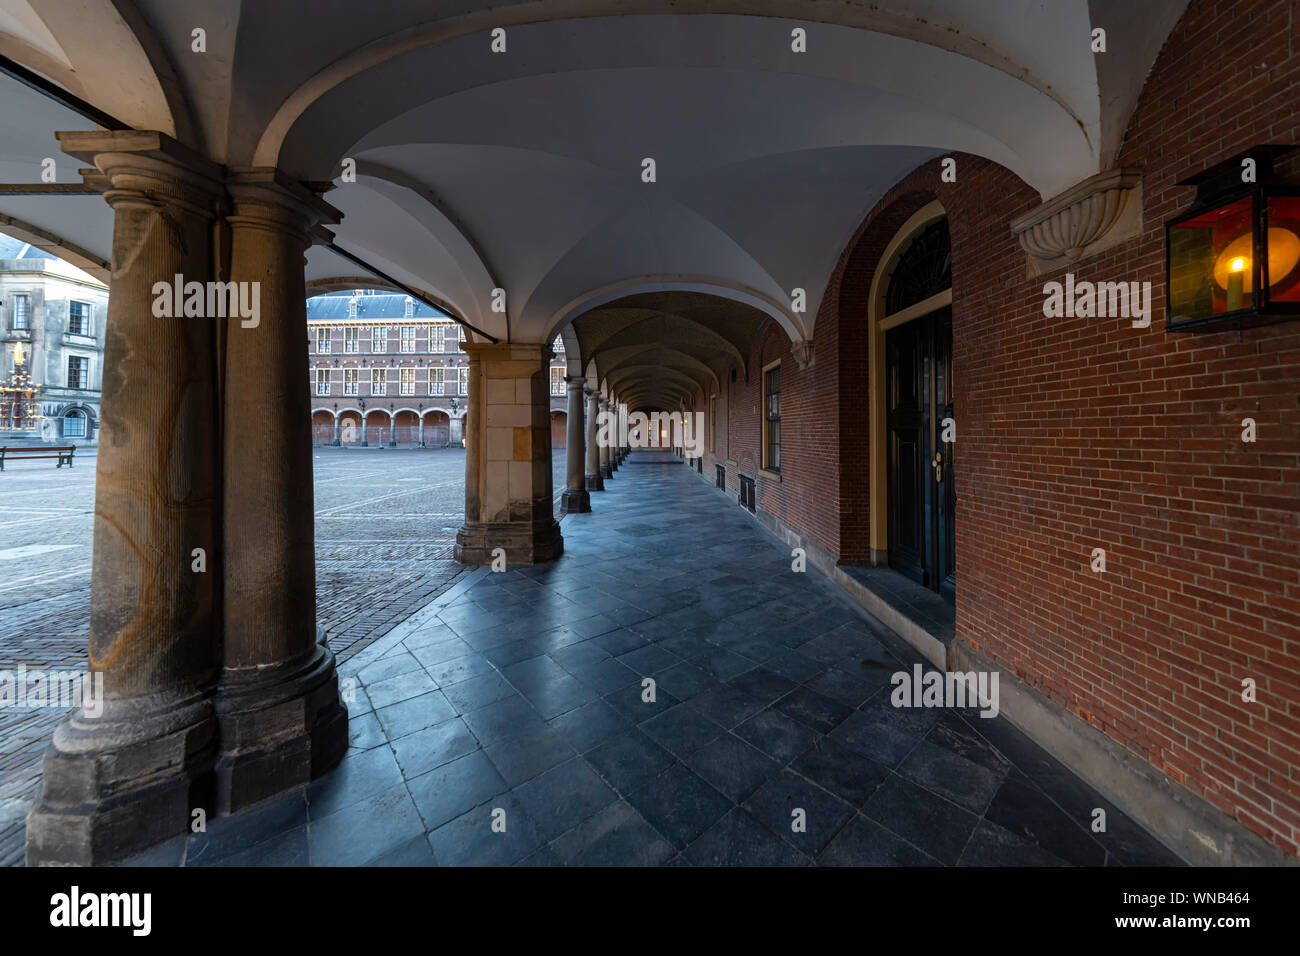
1283 219
1210 265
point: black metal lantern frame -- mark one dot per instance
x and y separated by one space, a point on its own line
1233 259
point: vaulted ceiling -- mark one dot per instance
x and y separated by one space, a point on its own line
523 170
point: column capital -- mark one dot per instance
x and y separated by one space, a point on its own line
265 197
150 166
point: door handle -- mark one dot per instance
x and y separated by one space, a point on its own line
938 466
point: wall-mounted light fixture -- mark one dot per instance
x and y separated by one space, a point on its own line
1233 259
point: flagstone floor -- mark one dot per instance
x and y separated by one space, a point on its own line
507 723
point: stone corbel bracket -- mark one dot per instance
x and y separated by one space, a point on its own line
803 353
1100 212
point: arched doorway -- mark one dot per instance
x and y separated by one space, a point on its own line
349 428
376 431
437 429
912 404
559 429
406 424
322 427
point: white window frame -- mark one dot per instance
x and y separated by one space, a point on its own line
351 381
26 312
406 381
557 380
378 380
323 342
408 338
462 379
437 380
379 336
75 415
351 340
322 379
89 329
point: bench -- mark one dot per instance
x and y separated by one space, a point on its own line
62 452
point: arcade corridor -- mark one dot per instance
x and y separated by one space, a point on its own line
521 691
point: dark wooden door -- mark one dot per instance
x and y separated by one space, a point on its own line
922 494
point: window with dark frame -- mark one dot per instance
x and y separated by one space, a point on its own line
772 418
78 372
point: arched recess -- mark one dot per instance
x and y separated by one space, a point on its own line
848 298
880 320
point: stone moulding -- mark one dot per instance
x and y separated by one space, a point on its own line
1087 218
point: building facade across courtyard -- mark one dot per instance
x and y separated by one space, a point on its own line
387 370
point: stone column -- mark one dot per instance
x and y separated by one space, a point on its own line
509 493
576 498
392 429
594 480
124 778
282 723
336 429
421 429
453 430
606 471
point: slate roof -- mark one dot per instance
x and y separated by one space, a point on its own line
11 248
387 305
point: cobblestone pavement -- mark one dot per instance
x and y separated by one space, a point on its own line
386 523
520 699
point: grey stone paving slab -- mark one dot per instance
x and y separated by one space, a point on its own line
538 747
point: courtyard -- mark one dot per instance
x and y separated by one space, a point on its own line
386 522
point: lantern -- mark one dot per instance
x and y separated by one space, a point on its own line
1233 259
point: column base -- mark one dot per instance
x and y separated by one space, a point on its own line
281 727
524 542
123 782
606 472
576 502
595 483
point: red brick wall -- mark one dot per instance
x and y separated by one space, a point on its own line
1075 434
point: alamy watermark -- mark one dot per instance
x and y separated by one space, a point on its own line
683 430
208 300
27 688
922 688
1084 300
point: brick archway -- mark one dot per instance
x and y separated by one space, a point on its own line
437 429
322 427
849 304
